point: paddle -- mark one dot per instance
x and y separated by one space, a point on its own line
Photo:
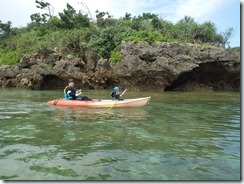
118 99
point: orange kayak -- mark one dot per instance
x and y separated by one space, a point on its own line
134 102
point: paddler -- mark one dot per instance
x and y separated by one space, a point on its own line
70 92
116 94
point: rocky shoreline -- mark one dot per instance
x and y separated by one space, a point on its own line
160 66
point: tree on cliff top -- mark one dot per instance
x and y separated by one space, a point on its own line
5 29
226 36
42 18
46 6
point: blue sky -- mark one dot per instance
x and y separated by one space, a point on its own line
224 13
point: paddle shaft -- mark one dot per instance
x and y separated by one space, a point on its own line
123 92
118 99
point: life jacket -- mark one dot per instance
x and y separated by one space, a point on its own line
67 96
115 94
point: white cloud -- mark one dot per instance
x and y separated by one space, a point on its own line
18 12
197 9
118 8
172 10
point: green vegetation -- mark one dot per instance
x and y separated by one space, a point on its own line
73 32
8 58
115 56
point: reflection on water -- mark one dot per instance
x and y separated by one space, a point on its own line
69 115
178 136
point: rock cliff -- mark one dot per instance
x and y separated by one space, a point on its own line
160 66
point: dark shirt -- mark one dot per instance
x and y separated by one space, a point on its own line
116 95
72 93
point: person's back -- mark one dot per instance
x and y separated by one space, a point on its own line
116 94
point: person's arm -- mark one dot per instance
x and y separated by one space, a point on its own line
112 94
70 91
67 89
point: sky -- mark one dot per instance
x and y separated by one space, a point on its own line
224 13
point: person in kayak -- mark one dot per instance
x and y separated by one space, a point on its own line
116 94
70 92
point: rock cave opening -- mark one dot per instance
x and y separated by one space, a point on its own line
212 76
52 82
180 81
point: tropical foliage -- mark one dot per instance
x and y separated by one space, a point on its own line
72 31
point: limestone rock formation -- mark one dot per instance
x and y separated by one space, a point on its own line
160 66
184 67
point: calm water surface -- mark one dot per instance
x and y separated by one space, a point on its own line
178 136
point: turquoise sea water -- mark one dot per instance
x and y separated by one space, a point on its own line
177 136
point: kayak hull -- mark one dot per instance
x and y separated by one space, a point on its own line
135 102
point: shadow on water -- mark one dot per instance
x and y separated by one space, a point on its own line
78 115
